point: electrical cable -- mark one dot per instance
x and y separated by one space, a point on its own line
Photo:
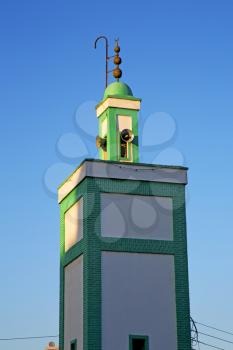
212 336
211 346
27 338
199 342
216 329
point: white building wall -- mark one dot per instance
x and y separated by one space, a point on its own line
138 297
73 306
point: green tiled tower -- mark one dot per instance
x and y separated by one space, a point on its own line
123 269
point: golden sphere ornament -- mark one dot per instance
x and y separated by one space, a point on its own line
117 73
117 49
117 60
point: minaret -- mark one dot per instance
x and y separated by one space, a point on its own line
118 120
123 267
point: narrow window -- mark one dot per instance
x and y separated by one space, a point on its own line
125 145
124 149
73 344
138 342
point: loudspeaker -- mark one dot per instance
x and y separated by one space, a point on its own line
101 142
127 135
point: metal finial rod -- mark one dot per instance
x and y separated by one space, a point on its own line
106 56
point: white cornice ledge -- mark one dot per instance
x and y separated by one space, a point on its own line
123 171
118 103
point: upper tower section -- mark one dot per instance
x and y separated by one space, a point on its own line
117 114
118 124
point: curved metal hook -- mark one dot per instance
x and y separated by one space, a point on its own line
106 56
101 37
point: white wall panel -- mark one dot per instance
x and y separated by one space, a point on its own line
74 224
138 297
104 128
124 122
73 307
132 216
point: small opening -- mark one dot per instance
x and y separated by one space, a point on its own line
138 344
73 345
124 149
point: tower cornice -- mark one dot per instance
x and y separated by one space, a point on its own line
118 102
120 170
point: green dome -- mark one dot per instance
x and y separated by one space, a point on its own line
118 89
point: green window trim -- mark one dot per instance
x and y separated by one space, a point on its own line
73 344
73 203
143 337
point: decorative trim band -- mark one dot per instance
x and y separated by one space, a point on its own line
117 103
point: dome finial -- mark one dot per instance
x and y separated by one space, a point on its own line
117 72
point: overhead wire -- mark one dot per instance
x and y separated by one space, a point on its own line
216 329
212 336
210 345
27 338
195 322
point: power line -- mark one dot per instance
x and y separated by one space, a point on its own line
27 338
211 346
212 336
216 329
195 322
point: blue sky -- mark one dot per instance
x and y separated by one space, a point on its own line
177 56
